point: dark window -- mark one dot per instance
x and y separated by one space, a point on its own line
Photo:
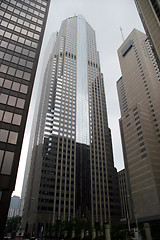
7 117
13 137
3 135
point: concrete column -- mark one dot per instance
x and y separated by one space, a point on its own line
107 233
86 233
82 234
93 234
73 233
65 234
147 231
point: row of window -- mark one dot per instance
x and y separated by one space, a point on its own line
15 86
16 60
8 136
26 17
21 7
10 117
12 101
35 4
51 209
15 37
13 72
12 47
19 21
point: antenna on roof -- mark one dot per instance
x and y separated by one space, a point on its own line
122 33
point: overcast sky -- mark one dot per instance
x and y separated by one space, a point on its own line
105 17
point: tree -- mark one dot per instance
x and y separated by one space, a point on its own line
13 224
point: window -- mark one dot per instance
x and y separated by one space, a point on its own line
17 29
3 135
1 81
7 84
18 49
26 24
11 71
7 57
15 59
20 103
32 54
29 64
1 114
4 44
11 47
144 155
4 23
1 156
1 32
11 26
27 76
19 73
12 101
22 62
13 18
15 86
7 117
7 163
24 31
3 68
13 137
17 119
14 37
20 21
30 34
138 128
28 42
24 89
21 40
3 98
139 133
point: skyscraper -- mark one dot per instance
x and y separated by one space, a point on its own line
139 98
14 207
72 171
21 33
149 11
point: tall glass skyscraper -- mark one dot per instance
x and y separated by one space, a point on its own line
22 25
72 171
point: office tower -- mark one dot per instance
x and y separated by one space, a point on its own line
72 171
139 98
149 11
14 207
21 34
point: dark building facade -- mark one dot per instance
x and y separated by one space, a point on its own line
22 25
72 171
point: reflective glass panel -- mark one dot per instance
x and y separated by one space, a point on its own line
7 163
82 112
